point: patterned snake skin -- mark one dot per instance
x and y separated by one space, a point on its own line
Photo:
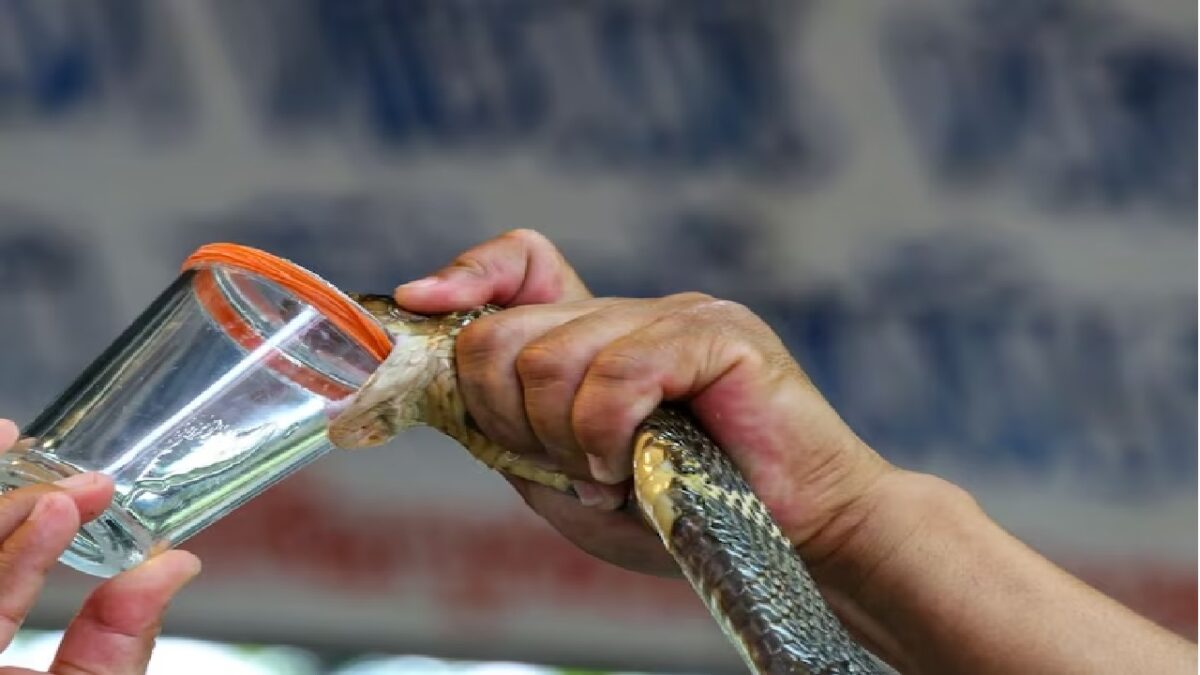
727 545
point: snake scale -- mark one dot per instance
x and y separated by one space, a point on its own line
722 537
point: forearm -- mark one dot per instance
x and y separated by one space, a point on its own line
941 588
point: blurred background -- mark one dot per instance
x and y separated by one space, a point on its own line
973 221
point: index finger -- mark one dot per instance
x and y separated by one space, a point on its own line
520 267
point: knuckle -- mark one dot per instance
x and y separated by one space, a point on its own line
540 364
693 305
617 366
732 309
529 238
730 315
483 338
723 309
480 368
471 263
689 298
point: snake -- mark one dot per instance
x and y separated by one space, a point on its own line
686 489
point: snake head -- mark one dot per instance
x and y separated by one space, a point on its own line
397 395
393 397
391 400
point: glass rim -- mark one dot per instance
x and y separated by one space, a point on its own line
343 312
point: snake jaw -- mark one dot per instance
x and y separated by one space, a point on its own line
391 400
361 430
394 397
371 419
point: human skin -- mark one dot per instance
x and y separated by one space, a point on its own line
114 631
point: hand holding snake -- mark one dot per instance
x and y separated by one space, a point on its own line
571 380
908 563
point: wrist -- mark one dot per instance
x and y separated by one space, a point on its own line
922 576
872 561
895 511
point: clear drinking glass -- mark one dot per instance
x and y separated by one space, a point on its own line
219 389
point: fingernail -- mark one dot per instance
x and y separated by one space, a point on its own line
589 495
76 481
421 283
600 470
181 565
194 565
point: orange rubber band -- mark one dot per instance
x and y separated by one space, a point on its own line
212 298
312 289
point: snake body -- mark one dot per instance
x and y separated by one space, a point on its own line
689 492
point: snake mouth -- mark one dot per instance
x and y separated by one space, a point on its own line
345 437
352 431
